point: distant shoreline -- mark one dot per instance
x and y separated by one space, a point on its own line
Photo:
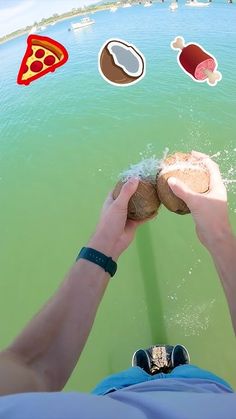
52 19
74 13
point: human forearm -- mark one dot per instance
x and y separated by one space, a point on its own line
53 341
210 214
223 252
50 346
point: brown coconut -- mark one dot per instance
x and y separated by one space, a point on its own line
196 178
114 72
144 203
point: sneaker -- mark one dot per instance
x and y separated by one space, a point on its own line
160 358
180 356
141 359
154 360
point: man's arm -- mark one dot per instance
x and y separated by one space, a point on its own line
44 355
210 213
223 252
48 349
16 376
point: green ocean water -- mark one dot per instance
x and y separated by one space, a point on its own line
66 137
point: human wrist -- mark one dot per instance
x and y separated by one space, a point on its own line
102 244
213 239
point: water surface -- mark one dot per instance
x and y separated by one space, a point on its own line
66 137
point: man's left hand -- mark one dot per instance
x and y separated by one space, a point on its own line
115 232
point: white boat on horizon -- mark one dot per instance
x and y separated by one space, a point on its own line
147 4
113 9
86 21
173 6
33 30
195 3
126 5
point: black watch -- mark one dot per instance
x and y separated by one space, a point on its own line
107 263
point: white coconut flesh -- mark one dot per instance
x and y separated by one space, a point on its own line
127 58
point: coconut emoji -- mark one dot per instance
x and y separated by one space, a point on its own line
145 202
120 63
189 170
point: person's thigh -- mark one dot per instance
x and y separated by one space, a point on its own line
192 371
136 375
129 377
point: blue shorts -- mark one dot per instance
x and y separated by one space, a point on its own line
136 375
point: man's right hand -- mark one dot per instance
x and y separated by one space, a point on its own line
210 209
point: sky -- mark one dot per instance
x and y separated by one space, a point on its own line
15 14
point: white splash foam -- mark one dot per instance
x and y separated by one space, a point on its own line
147 168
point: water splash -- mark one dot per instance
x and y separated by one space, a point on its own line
147 168
226 159
151 164
191 318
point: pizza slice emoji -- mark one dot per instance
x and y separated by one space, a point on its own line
43 55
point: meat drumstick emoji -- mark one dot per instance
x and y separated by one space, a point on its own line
196 62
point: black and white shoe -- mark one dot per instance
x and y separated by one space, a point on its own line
160 358
180 356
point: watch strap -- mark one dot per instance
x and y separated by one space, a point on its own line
106 262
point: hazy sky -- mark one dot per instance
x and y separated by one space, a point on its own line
15 14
